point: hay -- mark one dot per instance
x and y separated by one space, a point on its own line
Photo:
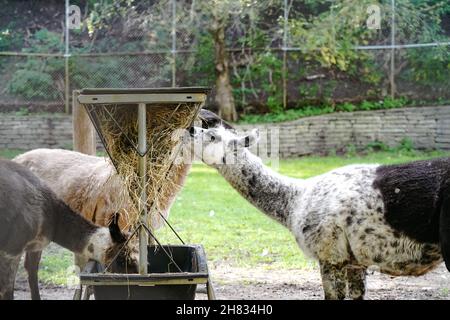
165 125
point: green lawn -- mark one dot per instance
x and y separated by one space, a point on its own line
9 153
209 212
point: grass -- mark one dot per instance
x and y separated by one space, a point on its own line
209 212
9 153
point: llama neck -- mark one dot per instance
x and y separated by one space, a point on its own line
267 190
75 233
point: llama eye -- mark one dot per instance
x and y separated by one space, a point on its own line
213 138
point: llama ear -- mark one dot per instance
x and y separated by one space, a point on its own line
250 139
211 120
114 229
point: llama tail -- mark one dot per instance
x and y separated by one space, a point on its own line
444 229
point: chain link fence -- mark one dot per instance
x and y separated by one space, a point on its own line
279 59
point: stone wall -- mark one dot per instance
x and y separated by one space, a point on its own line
427 127
35 131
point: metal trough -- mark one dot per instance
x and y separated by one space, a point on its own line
163 281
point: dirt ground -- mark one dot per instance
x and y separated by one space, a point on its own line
237 283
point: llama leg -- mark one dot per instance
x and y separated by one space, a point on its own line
8 270
356 281
333 280
32 260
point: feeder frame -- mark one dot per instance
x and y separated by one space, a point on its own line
140 97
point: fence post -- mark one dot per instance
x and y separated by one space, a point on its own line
84 139
174 43
66 61
284 72
392 69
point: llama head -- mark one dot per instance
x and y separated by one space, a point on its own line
216 146
120 257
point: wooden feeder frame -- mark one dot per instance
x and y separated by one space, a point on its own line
141 98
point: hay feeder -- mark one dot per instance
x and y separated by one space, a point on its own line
141 130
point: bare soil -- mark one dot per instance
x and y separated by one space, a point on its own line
239 283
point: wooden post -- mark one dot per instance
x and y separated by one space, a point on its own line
83 131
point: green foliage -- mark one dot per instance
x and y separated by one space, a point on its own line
376 146
430 66
291 114
267 71
405 146
43 78
326 31
9 38
316 91
328 37
203 70
351 150
346 107
32 84
102 12
45 41
108 73
22 112
38 77
390 103
9 153
308 111
420 22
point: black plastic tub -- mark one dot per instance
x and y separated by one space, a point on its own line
163 282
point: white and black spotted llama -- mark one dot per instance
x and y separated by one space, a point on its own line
396 217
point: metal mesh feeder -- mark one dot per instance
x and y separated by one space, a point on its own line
142 130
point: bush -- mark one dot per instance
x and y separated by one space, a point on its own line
10 38
406 145
308 111
32 84
377 146
37 77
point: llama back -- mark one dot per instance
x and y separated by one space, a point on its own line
31 215
91 186
88 184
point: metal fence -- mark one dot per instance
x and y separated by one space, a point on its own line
161 43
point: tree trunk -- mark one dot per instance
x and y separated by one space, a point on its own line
224 94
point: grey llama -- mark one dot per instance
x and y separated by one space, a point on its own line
32 216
